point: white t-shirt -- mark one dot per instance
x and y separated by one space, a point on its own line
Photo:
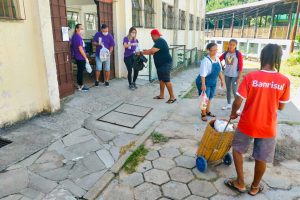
206 66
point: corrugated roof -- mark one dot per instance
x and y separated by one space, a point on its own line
244 6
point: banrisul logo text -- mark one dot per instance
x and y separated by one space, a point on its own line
271 85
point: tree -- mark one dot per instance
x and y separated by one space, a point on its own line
219 4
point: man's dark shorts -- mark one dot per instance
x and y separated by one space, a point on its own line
164 73
263 150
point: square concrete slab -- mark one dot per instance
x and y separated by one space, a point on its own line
131 109
121 119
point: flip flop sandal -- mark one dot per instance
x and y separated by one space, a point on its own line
204 118
210 114
157 97
170 101
259 187
229 183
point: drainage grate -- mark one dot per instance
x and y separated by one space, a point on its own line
126 115
4 142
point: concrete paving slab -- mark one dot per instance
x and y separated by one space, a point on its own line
136 110
12 197
73 188
13 181
32 194
93 163
147 191
88 181
59 194
41 184
78 136
121 119
85 147
175 190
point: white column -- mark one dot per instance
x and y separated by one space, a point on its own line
48 53
122 21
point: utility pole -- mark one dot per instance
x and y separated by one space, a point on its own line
295 28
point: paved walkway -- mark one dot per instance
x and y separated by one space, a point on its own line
63 155
169 172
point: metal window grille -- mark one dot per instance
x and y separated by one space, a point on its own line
164 15
90 21
72 18
136 13
182 20
191 22
149 14
8 9
171 18
198 24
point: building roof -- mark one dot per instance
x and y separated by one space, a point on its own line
245 6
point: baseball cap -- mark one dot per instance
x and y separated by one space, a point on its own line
155 32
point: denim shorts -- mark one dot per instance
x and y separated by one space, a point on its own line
263 150
210 90
102 65
164 73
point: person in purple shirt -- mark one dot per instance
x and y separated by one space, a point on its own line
103 38
79 54
130 44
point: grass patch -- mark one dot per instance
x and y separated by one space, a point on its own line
192 93
293 72
289 123
135 158
125 148
158 137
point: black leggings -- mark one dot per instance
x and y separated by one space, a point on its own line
129 65
80 69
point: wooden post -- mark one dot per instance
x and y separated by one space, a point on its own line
243 25
266 20
271 23
232 24
223 24
256 23
288 34
295 28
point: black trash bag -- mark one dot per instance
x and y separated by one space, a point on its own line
139 62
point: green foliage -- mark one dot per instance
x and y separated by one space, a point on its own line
135 158
294 59
158 137
219 4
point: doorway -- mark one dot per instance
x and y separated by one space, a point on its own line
68 13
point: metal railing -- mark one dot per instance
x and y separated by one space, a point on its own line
181 56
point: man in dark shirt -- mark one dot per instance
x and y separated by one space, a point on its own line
163 63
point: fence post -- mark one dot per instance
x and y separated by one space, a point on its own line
184 57
150 69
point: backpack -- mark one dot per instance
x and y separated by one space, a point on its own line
138 62
237 55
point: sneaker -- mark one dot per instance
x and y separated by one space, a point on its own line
131 87
134 85
106 84
226 107
96 83
85 89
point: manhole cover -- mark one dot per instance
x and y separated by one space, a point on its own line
4 142
126 115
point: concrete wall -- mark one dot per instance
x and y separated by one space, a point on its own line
28 83
123 21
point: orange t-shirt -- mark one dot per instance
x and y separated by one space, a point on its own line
263 91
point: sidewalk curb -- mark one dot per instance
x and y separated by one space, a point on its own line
103 182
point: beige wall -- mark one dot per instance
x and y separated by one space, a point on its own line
26 75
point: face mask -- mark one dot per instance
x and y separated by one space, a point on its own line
105 33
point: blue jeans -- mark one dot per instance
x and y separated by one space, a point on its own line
210 90
105 65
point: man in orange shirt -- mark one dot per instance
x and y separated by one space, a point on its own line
265 92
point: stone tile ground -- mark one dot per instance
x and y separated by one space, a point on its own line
169 172
63 155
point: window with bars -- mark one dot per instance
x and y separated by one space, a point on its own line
191 22
72 19
171 17
182 20
202 24
136 13
164 15
198 24
90 21
9 9
149 13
